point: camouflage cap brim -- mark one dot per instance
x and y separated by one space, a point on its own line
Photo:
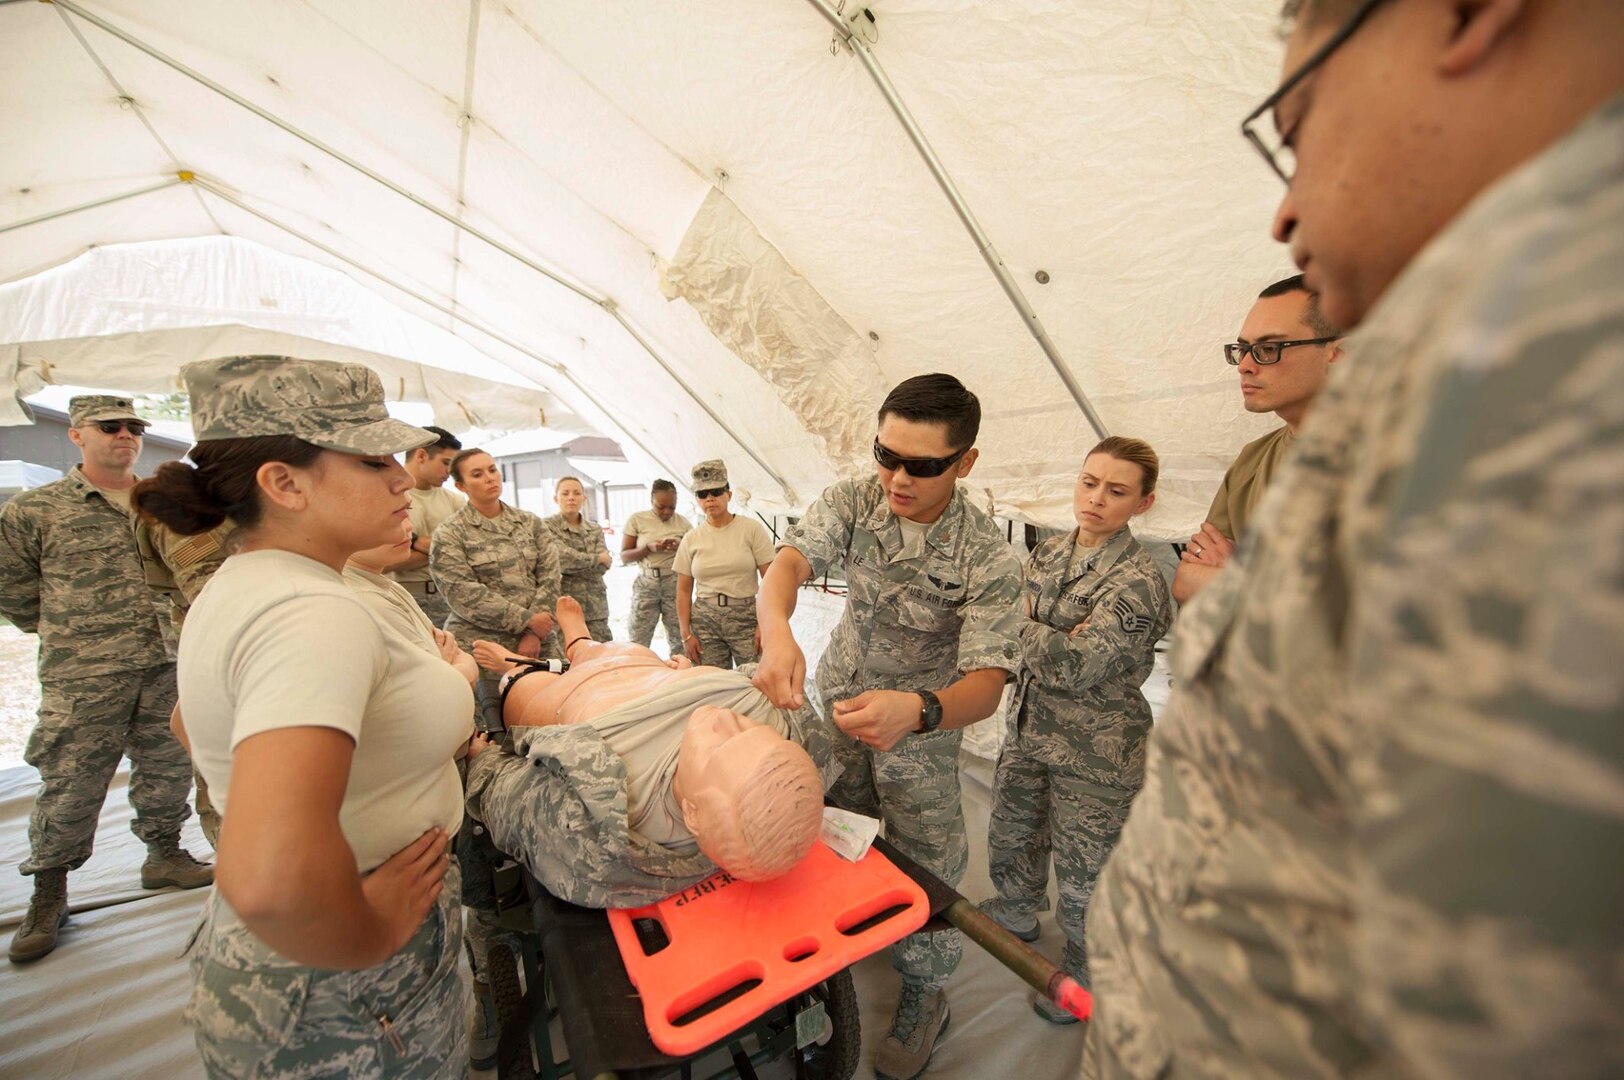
389 436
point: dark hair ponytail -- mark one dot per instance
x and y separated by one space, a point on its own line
192 499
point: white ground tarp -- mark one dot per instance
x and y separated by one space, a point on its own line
713 181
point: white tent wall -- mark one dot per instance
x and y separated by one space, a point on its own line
1095 141
130 315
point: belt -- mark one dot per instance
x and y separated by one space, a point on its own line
654 571
425 588
729 601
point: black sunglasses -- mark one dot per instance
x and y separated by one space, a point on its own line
1268 352
113 427
918 467
710 493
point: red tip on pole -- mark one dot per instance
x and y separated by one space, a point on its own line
1066 993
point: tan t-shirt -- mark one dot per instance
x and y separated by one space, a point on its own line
394 605
723 561
647 527
1246 480
430 509
278 640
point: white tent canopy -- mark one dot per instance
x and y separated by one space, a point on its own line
700 224
130 315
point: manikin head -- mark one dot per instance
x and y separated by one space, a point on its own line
752 798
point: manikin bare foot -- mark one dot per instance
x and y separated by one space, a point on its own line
572 625
492 657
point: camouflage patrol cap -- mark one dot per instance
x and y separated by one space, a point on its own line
88 408
710 474
327 404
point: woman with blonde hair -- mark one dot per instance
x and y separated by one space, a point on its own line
1096 603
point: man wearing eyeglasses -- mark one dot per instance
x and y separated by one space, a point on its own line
930 634
1381 824
70 572
1285 351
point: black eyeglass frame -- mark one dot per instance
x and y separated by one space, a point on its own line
711 493
1307 68
138 428
919 468
1234 350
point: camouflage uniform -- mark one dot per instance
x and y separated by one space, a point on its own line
1382 812
70 572
582 574
178 567
255 1013
1074 755
560 807
654 593
496 574
911 623
726 629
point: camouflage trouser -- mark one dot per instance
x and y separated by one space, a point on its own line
85 726
727 635
654 599
590 592
431 604
1039 807
914 788
257 1014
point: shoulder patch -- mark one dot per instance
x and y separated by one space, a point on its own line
1132 622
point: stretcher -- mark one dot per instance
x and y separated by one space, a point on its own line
574 972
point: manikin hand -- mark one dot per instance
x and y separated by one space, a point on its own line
782 674
879 718
1208 547
403 889
679 663
530 646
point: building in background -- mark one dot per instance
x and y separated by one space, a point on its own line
532 462
35 454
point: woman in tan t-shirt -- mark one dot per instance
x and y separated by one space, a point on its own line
718 567
331 944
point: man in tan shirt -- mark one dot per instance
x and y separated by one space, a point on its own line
1286 349
432 505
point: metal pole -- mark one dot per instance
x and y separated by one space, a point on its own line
604 302
437 306
614 311
983 244
108 201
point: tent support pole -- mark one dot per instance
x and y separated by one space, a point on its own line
604 302
108 201
443 309
856 44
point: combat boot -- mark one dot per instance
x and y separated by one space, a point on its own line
487 1034
921 1019
47 911
1074 962
170 864
1026 929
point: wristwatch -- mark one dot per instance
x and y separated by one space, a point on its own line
930 717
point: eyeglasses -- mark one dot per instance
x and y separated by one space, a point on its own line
918 467
137 428
1265 353
710 493
1277 151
